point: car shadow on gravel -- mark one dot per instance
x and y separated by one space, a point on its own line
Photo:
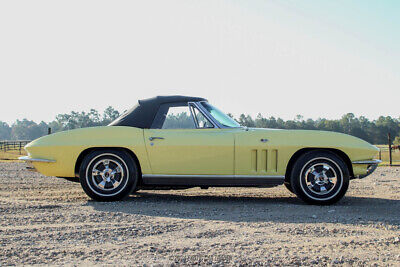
350 210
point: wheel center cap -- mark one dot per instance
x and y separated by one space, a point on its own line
107 174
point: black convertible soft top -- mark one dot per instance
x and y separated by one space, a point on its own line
143 113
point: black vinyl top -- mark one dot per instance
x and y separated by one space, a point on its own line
143 113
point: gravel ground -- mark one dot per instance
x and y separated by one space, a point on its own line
46 220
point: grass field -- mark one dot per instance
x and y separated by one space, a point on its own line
385 155
11 155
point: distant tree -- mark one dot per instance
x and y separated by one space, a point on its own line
246 121
180 120
290 124
28 130
109 115
272 123
79 120
309 125
55 126
396 141
5 131
299 117
260 121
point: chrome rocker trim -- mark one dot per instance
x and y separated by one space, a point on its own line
372 165
212 180
29 159
374 161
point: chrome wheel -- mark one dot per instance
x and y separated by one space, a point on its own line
107 174
321 178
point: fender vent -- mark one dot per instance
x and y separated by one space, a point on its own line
259 160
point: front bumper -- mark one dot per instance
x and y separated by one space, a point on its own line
371 166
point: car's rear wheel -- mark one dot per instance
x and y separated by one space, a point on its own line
108 175
320 177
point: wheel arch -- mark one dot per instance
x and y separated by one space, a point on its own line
302 151
85 152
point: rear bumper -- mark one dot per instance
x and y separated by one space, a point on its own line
30 161
371 166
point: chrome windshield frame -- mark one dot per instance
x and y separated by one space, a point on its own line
205 114
210 117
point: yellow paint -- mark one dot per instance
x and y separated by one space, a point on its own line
359 169
282 144
191 151
195 151
65 147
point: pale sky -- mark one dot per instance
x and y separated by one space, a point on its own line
280 58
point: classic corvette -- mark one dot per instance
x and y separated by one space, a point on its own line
176 142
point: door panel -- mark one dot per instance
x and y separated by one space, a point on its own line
190 151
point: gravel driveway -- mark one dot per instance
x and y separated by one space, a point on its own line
46 220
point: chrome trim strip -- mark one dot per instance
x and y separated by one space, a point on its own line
29 159
210 176
190 105
372 165
374 161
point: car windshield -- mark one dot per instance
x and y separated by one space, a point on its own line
221 117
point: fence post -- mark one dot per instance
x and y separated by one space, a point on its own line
390 149
20 144
380 154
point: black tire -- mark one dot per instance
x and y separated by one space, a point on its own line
320 177
108 175
289 187
135 190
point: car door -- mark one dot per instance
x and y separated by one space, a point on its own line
182 141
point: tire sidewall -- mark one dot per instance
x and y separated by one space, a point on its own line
129 180
312 157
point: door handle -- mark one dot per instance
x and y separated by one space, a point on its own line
155 137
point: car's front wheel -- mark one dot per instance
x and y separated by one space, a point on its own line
320 177
108 175
288 186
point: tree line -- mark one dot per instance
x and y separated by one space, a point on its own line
29 130
372 131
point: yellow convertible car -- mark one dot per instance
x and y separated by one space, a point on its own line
175 142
